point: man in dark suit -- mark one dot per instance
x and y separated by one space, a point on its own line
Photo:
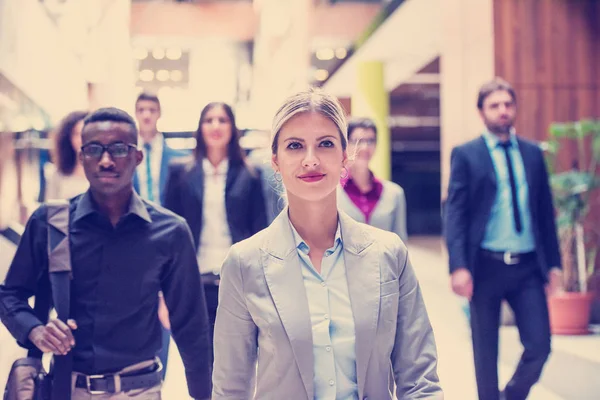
502 241
150 179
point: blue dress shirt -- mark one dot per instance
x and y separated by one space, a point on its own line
332 322
500 233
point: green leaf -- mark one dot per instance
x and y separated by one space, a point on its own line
596 146
587 127
559 130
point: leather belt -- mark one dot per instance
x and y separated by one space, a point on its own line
116 383
507 257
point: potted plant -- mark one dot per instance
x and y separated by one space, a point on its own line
573 190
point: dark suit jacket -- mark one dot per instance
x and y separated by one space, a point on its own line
471 195
244 201
168 156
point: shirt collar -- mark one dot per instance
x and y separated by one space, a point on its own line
155 144
492 140
303 246
87 206
220 169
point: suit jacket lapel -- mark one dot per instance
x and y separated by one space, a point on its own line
232 174
283 273
363 275
196 182
528 161
164 168
488 164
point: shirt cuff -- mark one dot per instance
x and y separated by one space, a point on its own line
24 324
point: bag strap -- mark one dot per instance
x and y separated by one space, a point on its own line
59 268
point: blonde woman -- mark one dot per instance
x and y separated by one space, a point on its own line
328 307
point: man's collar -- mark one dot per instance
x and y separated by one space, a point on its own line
156 141
87 206
492 140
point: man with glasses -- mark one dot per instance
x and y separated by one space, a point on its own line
124 250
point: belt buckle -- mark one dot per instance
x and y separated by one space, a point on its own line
508 260
88 381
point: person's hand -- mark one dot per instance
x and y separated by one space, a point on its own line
56 337
462 282
163 313
555 282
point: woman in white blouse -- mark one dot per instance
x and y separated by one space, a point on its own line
318 306
218 193
66 178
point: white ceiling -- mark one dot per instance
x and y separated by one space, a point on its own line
407 41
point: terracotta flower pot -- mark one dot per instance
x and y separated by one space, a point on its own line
570 313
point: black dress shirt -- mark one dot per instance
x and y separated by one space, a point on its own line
117 275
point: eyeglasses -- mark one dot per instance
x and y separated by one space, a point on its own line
115 150
368 142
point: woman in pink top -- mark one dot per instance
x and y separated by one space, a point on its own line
365 198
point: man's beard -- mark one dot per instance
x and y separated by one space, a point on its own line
500 129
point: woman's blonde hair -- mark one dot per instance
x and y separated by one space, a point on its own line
312 100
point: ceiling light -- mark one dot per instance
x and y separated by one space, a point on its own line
162 75
176 75
321 74
146 75
140 53
174 53
341 53
324 54
158 53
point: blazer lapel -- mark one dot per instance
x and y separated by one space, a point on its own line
528 162
363 275
232 174
283 273
164 168
196 182
488 164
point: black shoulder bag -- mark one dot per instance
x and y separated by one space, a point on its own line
28 380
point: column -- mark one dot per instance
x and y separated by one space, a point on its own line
371 100
467 61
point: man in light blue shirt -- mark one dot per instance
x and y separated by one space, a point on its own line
501 234
502 241
332 322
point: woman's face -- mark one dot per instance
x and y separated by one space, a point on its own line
216 128
362 144
309 156
76 136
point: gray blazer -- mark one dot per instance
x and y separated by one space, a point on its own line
263 317
389 213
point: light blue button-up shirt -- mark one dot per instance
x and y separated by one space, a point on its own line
500 233
332 322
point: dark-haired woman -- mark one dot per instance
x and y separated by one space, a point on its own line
218 194
67 178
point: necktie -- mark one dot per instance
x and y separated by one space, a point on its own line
513 186
149 182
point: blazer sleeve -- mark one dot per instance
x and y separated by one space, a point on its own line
547 224
457 204
400 217
414 355
235 337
